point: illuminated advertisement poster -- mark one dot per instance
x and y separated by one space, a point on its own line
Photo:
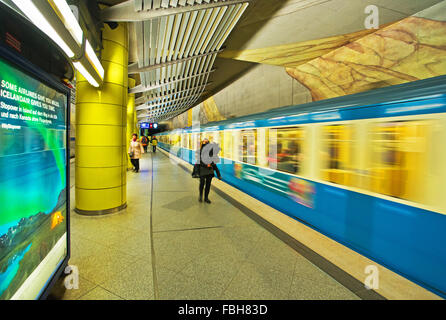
33 193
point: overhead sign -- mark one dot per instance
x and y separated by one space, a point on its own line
147 125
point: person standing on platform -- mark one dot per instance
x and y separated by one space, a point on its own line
144 142
135 152
154 143
207 168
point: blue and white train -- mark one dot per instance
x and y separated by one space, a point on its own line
367 170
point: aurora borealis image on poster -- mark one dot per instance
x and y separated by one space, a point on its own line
33 192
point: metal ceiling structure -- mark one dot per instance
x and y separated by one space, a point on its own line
178 42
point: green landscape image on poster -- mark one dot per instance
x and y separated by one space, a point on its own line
33 204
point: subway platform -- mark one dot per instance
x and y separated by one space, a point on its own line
167 245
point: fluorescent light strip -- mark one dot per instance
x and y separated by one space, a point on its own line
70 22
86 74
31 11
91 55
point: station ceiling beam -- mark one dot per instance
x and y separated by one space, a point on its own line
165 103
128 11
157 98
133 68
140 88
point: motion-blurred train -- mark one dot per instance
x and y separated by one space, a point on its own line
368 170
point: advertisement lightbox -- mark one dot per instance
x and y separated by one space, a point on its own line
34 192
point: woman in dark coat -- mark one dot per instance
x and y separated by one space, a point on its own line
206 172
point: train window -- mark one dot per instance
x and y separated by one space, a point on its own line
337 154
184 140
248 146
197 141
221 135
398 159
286 149
210 136
227 144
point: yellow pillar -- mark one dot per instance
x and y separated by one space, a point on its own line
131 114
101 114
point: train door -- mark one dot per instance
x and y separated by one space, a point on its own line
398 159
337 154
236 145
184 140
221 139
248 146
195 137
262 147
228 144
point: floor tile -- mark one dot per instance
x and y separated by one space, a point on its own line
258 282
182 287
99 293
83 287
135 282
102 265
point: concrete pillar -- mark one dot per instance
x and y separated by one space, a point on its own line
101 128
131 114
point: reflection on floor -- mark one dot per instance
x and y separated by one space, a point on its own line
167 245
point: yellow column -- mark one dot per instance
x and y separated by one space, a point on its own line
101 147
131 114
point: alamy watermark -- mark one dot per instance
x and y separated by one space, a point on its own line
372 20
72 279
371 281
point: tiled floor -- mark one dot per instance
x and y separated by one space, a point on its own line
194 251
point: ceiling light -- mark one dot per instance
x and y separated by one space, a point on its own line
33 14
69 20
91 55
86 74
